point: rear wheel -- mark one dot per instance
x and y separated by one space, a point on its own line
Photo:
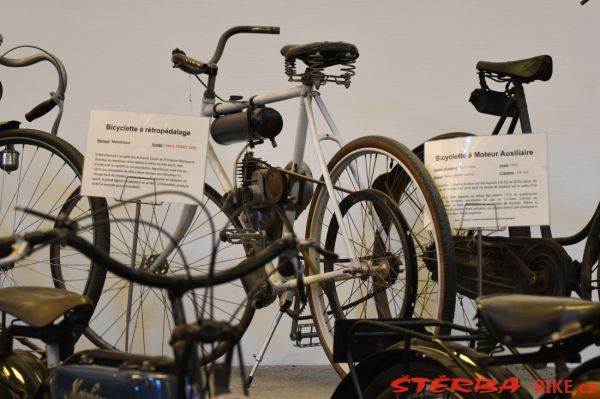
383 241
384 164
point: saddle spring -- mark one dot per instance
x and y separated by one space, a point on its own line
316 65
485 342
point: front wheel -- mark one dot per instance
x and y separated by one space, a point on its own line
384 164
42 172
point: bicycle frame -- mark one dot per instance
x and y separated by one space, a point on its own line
306 125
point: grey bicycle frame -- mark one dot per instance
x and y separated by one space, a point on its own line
306 124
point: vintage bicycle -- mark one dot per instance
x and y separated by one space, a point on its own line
38 169
382 266
514 261
58 317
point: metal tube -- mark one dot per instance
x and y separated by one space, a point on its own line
479 264
258 358
263 99
136 226
337 275
328 183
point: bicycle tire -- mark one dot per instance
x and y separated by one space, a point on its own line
58 184
379 155
589 263
393 252
152 307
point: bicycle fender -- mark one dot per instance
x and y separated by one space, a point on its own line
369 368
23 373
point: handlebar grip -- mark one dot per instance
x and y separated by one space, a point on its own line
187 64
40 110
270 30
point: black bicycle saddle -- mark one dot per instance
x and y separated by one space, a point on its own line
523 71
325 53
529 320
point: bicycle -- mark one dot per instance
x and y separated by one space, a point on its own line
407 240
38 169
418 364
517 262
58 317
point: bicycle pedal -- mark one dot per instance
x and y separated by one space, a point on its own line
306 336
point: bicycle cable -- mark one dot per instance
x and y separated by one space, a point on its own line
206 87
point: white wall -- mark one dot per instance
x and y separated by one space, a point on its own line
414 75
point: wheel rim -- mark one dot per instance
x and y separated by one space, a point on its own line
45 180
149 309
386 292
374 162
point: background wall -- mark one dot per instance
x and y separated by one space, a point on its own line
414 75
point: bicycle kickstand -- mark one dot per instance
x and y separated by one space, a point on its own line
258 358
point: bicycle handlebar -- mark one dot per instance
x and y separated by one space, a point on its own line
57 98
194 67
269 30
11 252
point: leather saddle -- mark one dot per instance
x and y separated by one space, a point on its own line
529 320
523 71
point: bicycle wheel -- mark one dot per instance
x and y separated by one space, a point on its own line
43 172
134 318
384 241
589 277
384 164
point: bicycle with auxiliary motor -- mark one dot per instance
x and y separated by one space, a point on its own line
382 249
39 169
58 317
517 262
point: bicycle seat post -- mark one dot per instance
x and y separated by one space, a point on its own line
522 107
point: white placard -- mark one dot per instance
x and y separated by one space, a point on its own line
129 154
492 181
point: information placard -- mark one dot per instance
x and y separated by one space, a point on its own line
129 154
492 181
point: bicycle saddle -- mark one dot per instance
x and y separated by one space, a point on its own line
529 320
8 125
320 54
523 71
40 306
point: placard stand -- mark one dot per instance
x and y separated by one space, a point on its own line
479 236
136 225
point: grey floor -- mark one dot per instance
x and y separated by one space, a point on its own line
316 382
290 382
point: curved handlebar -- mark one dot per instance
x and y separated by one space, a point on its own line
270 30
56 97
174 283
192 66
